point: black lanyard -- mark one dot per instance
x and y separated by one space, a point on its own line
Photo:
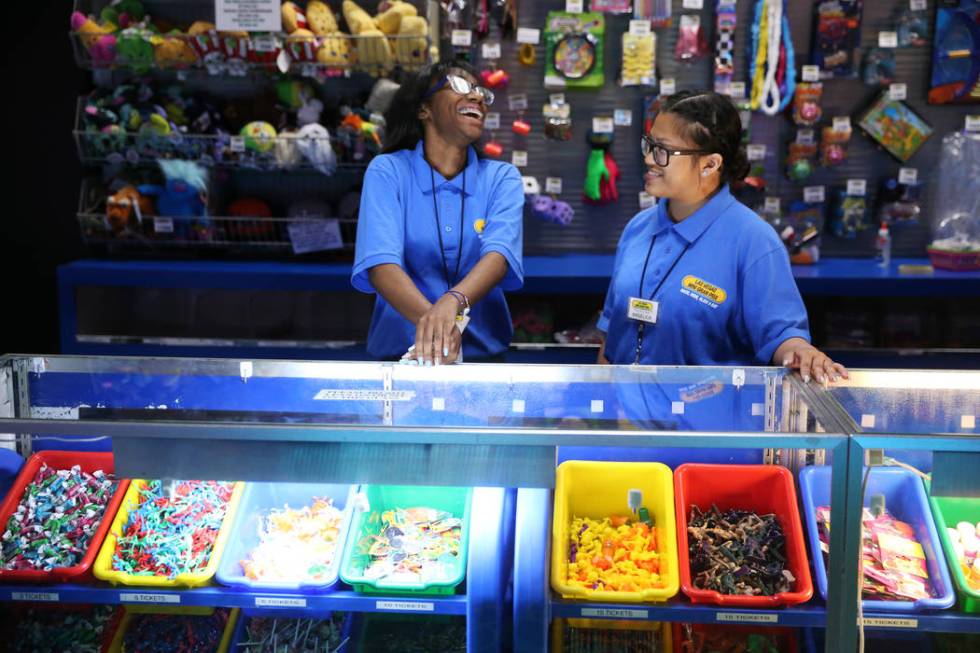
642 325
442 248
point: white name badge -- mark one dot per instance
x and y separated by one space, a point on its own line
643 310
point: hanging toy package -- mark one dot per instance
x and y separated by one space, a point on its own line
901 203
557 120
611 6
639 59
879 67
833 142
956 53
802 152
895 126
658 12
850 214
692 44
836 37
806 104
801 228
725 21
573 50
956 209
913 28
772 67
602 172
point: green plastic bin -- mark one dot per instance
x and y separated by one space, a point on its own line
384 633
388 497
947 512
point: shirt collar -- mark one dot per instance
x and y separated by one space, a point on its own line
691 228
421 168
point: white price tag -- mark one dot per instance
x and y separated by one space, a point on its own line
552 185
492 120
693 4
811 73
842 123
405 606
517 102
263 43
141 597
917 5
531 185
528 35
973 123
623 117
237 143
773 205
35 596
885 622
746 617
277 602
887 39
668 86
519 158
250 16
556 98
806 137
640 27
736 90
908 175
646 200
814 194
462 38
756 152
491 50
163 225
857 187
615 613
574 6
315 236
898 91
603 125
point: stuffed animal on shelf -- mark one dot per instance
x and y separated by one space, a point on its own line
293 18
183 195
98 38
253 224
235 47
206 44
400 19
124 205
320 18
123 13
173 51
373 49
134 48
313 142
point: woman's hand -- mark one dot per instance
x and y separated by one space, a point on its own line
437 340
798 354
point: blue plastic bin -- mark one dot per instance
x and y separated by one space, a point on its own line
875 641
239 637
10 464
257 500
905 499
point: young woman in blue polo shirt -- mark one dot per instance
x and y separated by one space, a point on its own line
699 278
439 234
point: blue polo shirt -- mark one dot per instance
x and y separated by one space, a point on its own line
730 299
397 224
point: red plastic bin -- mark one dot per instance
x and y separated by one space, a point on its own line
784 639
89 462
763 489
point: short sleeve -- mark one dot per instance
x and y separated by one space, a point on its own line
504 231
772 309
380 223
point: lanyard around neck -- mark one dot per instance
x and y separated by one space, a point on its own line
442 249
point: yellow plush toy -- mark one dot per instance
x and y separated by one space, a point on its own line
411 48
173 51
334 50
321 19
390 20
373 49
293 18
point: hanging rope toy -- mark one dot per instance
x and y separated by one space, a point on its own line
773 72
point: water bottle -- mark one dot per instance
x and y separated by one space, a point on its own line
884 246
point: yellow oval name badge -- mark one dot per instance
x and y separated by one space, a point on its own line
705 289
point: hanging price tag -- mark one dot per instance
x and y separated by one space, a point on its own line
491 51
574 6
842 123
237 143
897 91
814 194
531 185
806 137
887 39
603 125
908 175
462 38
756 152
519 158
693 4
772 205
528 35
163 225
973 123
736 90
517 102
917 5
552 185
492 120
857 187
623 117
640 27
811 73
557 98
668 86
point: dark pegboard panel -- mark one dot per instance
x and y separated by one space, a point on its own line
597 229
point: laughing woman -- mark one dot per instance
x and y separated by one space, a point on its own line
439 236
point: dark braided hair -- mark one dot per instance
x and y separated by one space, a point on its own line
713 124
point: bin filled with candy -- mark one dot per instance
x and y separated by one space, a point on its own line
954 517
711 638
376 633
183 630
602 635
293 635
55 629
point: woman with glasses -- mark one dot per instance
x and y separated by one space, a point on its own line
700 279
439 234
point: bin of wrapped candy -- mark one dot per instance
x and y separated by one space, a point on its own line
739 536
56 516
602 635
903 565
602 547
399 633
265 633
288 537
411 540
55 628
176 629
954 516
749 639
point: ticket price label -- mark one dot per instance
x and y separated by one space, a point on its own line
556 98
842 123
736 90
615 613
144 597
163 225
603 125
462 38
519 158
574 6
491 50
517 102
881 622
668 86
35 596
756 152
811 73
814 194
908 175
552 185
237 143
746 618
693 4
772 205
528 35
806 137
887 39
973 123
640 27
405 606
917 5
623 117
898 91
857 187
279 602
492 120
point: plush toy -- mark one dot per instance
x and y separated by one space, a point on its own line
382 93
123 13
313 142
320 18
264 49
287 154
302 46
135 48
183 195
123 206
173 51
235 47
373 49
98 38
411 46
389 20
253 226
206 43
293 18
259 136
334 50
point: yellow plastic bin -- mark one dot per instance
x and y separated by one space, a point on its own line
103 563
116 646
637 633
596 490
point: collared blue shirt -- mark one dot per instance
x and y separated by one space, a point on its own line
730 300
397 224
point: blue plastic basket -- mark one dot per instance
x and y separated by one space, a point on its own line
239 636
10 464
257 501
905 499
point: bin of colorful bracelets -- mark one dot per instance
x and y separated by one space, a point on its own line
602 635
327 633
613 535
712 638
398 633
954 516
411 540
169 533
739 536
56 628
288 537
175 630
56 516
903 564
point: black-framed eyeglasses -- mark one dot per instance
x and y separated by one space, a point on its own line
661 155
461 86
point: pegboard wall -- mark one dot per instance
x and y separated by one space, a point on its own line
597 228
